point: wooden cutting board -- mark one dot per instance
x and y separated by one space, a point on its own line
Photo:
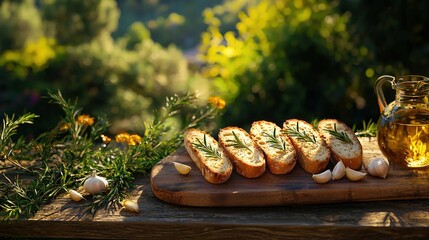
297 187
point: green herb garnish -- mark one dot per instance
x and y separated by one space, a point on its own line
207 149
301 136
276 142
342 136
368 129
237 143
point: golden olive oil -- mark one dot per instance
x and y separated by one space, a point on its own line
406 139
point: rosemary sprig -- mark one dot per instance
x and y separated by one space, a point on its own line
207 149
342 136
237 142
275 142
301 136
368 129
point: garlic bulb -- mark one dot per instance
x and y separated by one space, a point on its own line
95 184
75 196
339 171
354 175
378 167
322 177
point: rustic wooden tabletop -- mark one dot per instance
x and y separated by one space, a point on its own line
392 219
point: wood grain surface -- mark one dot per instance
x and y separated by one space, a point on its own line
297 187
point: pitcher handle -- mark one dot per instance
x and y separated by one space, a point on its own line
379 90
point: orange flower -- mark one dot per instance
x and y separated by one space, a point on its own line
217 102
134 140
85 120
122 137
105 138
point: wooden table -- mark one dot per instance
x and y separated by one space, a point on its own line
405 219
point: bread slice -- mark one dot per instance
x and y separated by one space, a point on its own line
279 152
204 150
348 150
313 153
245 155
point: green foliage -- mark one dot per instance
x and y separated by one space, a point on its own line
75 22
283 56
68 154
177 22
121 78
20 21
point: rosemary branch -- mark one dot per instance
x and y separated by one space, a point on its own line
301 136
237 142
342 136
277 143
207 149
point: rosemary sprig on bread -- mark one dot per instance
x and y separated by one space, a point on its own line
277 143
349 153
342 136
207 149
237 142
301 136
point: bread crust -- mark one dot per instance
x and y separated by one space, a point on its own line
349 154
249 164
279 161
313 157
215 171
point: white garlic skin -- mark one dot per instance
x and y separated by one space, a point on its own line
322 177
339 171
354 175
75 196
95 184
130 205
378 167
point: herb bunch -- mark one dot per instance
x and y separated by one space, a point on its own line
66 155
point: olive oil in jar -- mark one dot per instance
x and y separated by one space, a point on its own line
406 140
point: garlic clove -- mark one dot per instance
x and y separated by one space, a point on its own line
130 205
182 168
354 175
75 196
322 177
378 167
339 171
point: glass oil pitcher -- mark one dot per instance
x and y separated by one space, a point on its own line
403 127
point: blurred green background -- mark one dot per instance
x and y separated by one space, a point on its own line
269 59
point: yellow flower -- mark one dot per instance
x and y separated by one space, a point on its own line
122 137
85 120
105 138
217 102
134 139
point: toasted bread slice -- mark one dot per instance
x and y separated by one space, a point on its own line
212 160
342 141
279 152
313 153
245 155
